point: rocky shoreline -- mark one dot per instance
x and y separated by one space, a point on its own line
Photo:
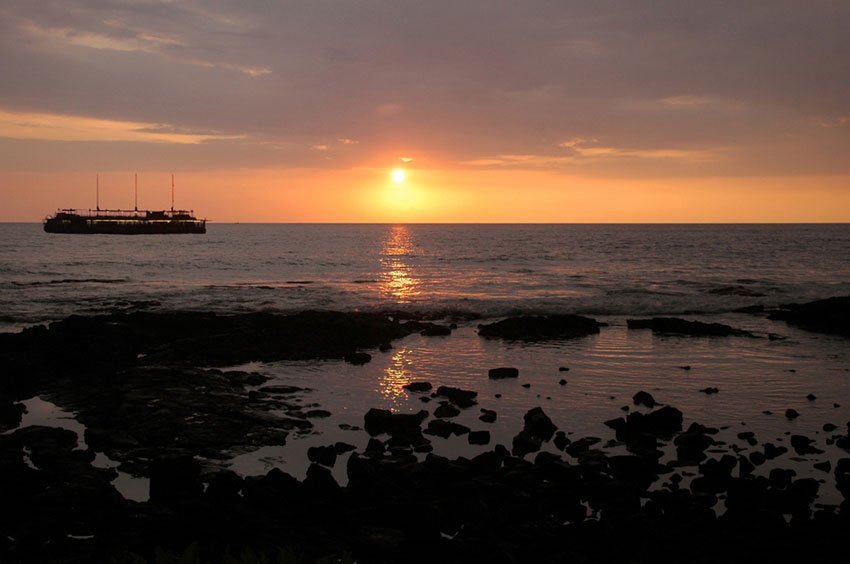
651 491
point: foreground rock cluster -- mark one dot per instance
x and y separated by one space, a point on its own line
651 491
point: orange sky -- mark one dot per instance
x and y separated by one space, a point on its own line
498 111
370 195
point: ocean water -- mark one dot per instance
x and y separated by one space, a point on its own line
439 270
472 273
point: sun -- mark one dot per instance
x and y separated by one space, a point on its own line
398 175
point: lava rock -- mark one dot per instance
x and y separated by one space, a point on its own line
378 421
418 387
487 416
324 455
831 315
533 328
478 437
443 428
538 424
446 409
644 398
175 479
503 372
674 325
459 397
358 358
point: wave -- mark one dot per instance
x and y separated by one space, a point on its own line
73 281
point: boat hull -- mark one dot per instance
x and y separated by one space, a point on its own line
85 226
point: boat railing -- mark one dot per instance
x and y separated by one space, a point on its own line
129 214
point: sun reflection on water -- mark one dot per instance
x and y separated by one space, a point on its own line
391 383
397 279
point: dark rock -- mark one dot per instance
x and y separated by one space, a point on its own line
384 347
317 413
824 466
531 328
341 447
436 331
375 448
446 409
702 429
487 416
358 358
829 427
175 479
690 447
563 369
10 415
745 467
418 387
225 485
526 386
757 458
562 382
803 445
503 372
525 443
560 440
772 451
478 437
710 390
791 413
320 480
686 367
538 424
811 397
378 421
443 428
577 447
781 478
324 455
674 325
459 397
831 315
644 398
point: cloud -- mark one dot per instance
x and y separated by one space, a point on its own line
55 127
467 82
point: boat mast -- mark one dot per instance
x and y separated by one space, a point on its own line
172 192
97 191
136 202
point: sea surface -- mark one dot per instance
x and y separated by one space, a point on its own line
439 270
471 274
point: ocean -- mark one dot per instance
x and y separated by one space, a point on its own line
462 271
471 274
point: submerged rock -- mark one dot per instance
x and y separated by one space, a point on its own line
532 328
418 387
378 421
503 372
460 397
831 315
674 325
644 398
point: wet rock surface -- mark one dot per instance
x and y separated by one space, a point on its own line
831 315
650 493
533 328
676 326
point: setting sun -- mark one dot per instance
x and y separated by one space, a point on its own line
398 175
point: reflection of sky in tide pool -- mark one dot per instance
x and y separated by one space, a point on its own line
606 370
